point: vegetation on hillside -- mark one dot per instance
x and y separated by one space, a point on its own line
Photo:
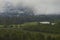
30 31
16 34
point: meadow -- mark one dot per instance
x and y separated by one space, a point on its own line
30 31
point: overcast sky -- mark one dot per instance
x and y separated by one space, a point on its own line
39 6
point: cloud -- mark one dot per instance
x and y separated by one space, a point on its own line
39 6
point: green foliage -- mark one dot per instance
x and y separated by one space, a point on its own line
14 34
50 38
29 31
58 38
36 26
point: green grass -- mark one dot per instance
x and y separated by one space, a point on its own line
31 31
35 26
16 34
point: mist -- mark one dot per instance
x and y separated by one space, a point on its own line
38 6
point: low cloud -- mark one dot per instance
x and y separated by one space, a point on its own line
39 6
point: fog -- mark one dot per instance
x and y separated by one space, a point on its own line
38 6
